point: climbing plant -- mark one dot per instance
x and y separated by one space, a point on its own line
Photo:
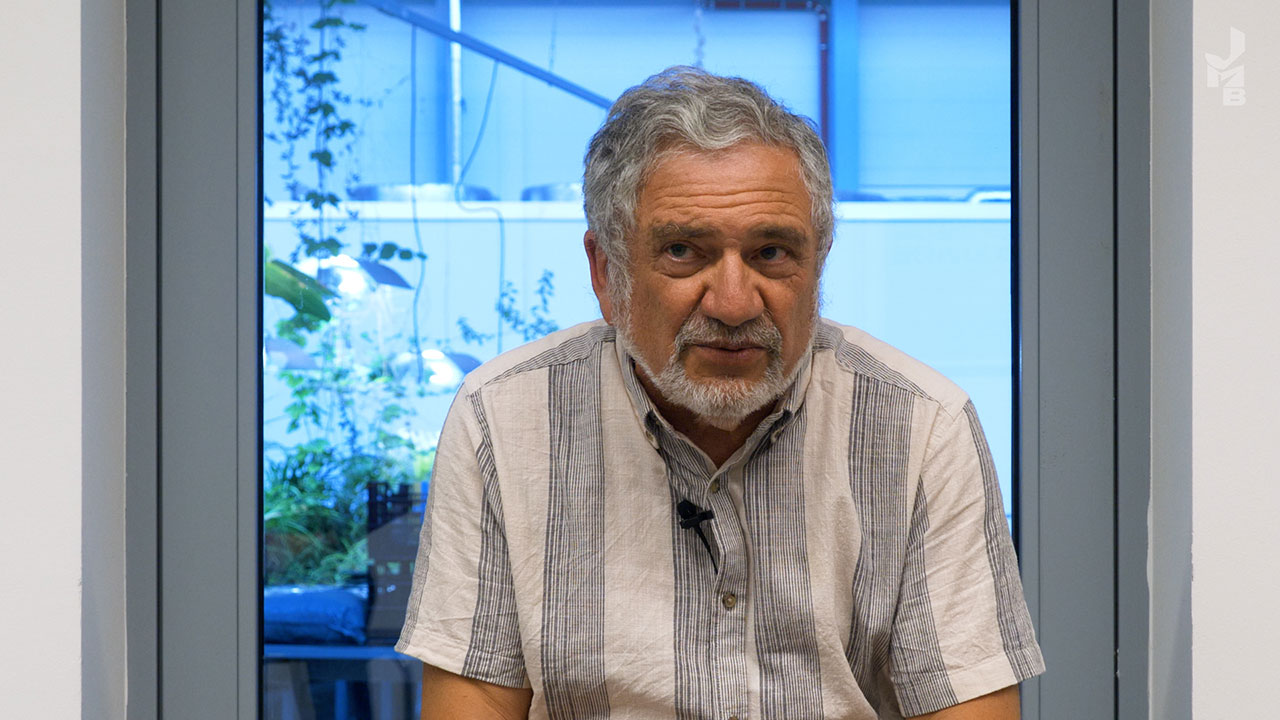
349 405
351 394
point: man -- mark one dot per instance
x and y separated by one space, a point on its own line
713 504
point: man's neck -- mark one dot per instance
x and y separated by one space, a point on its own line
719 445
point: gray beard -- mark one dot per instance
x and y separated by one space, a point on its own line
722 403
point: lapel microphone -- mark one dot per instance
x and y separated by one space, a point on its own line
692 516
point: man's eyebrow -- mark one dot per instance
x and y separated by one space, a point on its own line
668 232
784 233
673 231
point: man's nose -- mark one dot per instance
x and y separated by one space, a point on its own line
732 296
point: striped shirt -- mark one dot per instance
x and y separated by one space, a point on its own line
859 563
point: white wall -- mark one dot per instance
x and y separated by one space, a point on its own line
40 365
1236 366
1215 350
61 363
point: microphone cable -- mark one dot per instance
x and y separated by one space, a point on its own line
692 516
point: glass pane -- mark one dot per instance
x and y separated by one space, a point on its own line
422 213
927 254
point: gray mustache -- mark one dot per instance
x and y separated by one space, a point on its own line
702 330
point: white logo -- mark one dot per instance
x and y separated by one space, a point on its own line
1226 73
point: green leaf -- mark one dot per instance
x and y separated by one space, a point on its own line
327 22
322 78
406 254
422 464
324 157
388 250
369 248
325 55
319 199
300 290
330 246
391 442
343 128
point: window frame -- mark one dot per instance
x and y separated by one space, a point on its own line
1082 216
1081 328
192 387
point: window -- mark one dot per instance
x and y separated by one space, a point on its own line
423 213
195 353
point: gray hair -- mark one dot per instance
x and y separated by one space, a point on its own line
689 108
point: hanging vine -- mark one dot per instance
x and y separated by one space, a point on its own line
347 406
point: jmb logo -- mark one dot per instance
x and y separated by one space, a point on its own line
1226 73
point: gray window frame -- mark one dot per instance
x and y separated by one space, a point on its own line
1083 218
1083 270
193 342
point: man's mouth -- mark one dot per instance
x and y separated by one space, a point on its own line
726 355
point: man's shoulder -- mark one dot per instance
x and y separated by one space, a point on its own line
855 351
563 346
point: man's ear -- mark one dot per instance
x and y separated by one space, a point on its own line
599 274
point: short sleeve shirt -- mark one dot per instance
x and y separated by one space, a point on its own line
856 564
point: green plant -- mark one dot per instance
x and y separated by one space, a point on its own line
315 510
313 519
354 409
315 491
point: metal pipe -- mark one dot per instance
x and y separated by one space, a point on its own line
398 10
455 93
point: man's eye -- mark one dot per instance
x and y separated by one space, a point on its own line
773 252
679 251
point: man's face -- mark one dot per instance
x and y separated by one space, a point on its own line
724 280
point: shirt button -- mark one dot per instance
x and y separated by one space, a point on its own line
729 600
773 436
715 486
